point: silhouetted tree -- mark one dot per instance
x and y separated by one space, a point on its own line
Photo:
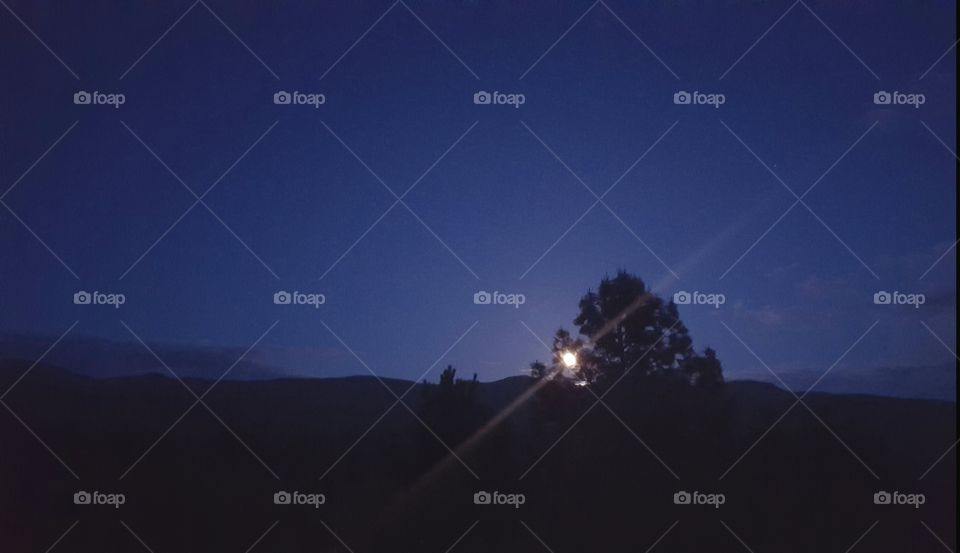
538 370
704 370
450 408
631 330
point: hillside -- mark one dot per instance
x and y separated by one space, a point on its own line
598 484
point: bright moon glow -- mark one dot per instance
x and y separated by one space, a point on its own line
569 359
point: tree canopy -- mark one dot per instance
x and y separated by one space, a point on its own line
627 330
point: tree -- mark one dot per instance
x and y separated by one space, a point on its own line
632 330
450 406
629 330
704 370
538 370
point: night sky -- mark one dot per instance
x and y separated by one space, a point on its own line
296 197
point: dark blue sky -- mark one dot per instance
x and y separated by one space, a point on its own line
492 206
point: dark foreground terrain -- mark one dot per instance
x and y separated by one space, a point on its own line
390 484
